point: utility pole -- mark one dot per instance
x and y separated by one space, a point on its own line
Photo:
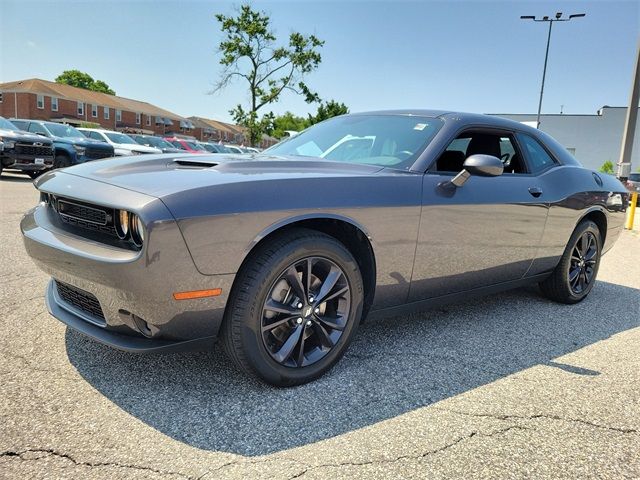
546 54
624 165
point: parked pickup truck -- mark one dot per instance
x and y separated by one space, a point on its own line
71 146
23 151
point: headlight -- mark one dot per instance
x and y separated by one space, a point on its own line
122 224
137 230
7 144
79 150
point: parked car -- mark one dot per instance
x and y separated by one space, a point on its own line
281 255
122 144
23 151
71 146
234 149
156 142
633 184
186 145
214 147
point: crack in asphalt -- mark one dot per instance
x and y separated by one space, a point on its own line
399 458
51 452
538 416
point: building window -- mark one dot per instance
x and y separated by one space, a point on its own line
54 104
106 113
0 97
94 111
148 120
80 108
118 115
138 118
40 101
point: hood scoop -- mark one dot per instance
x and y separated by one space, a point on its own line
193 163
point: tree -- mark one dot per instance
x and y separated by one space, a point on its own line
249 52
607 167
327 110
79 79
287 121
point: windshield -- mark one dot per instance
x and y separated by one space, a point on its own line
195 146
65 131
119 138
152 141
390 140
7 125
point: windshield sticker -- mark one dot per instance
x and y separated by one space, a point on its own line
420 126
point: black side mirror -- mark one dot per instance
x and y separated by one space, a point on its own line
483 165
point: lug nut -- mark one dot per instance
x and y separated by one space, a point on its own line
299 305
308 323
311 298
317 310
299 320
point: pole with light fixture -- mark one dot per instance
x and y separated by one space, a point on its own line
546 55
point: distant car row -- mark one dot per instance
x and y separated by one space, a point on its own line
33 146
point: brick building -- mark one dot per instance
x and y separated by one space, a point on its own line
208 130
44 100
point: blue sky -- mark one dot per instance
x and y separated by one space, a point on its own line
473 56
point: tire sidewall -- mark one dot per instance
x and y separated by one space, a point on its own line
581 230
251 332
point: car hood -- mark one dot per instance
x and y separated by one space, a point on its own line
136 146
22 135
167 174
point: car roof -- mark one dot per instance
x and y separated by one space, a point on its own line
462 118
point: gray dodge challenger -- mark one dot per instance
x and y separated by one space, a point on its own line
281 255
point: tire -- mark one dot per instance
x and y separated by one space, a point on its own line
559 286
61 161
247 331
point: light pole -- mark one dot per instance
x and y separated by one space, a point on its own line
550 21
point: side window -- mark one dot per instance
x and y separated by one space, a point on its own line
470 143
96 136
37 128
537 156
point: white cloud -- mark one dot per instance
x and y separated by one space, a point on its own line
31 44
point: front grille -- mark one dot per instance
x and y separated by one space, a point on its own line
81 215
80 299
30 149
95 153
82 212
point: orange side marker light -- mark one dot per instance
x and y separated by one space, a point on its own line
197 294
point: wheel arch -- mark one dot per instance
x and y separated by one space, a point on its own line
345 230
597 216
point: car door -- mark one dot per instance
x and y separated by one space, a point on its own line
485 232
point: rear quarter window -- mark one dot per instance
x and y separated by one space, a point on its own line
537 156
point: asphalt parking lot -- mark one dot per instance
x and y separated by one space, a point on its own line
507 386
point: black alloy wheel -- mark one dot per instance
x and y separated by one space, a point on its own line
306 312
583 262
575 274
294 308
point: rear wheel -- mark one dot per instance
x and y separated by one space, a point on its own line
575 275
294 308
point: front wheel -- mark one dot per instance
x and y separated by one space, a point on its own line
575 275
294 308
61 161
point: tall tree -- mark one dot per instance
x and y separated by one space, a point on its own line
327 110
79 79
249 52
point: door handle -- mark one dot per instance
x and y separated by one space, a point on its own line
535 191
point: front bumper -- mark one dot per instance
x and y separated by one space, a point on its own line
25 162
129 285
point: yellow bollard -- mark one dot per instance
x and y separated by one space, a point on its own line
632 210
